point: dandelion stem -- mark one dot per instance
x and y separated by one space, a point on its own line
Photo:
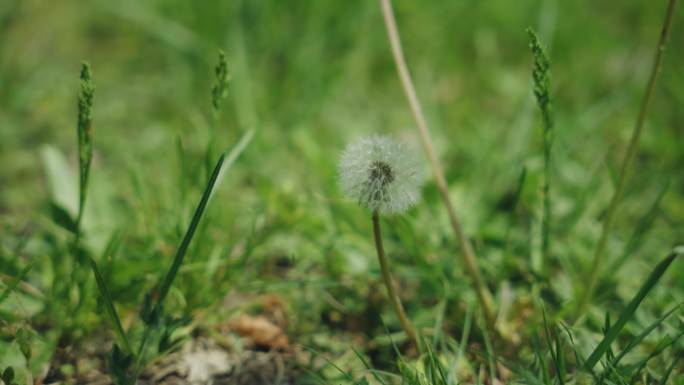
469 258
391 293
599 253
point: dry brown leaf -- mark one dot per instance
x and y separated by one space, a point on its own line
261 331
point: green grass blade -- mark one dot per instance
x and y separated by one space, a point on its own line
541 360
85 141
343 372
637 340
663 380
109 305
659 349
554 347
465 336
578 355
189 234
15 282
560 359
529 377
542 92
640 231
436 374
369 367
612 367
628 312
491 354
224 162
515 202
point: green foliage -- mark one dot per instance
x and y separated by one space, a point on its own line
155 323
612 331
312 77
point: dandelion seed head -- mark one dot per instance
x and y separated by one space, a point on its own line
380 174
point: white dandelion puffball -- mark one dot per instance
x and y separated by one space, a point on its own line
380 174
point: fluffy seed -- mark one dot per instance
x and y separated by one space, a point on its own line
380 174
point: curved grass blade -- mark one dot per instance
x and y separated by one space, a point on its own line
223 163
435 370
631 308
634 342
368 367
660 348
109 305
578 355
226 159
189 234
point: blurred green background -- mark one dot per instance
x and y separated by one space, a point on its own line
310 77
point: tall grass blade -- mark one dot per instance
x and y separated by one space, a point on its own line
224 162
228 159
85 141
109 305
508 260
542 92
435 370
465 335
640 231
541 360
637 340
189 234
612 366
599 253
560 359
555 350
631 308
659 349
578 355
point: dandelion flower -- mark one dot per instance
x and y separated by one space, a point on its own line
380 174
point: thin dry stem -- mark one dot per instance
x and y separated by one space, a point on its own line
599 253
469 258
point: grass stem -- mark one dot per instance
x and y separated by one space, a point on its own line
542 92
387 277
599 254
467 252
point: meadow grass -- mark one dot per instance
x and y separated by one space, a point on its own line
295 82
